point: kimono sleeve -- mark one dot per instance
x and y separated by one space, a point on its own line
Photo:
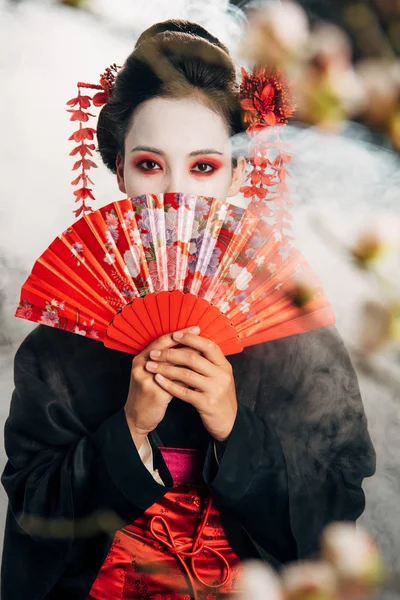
62 480
297 461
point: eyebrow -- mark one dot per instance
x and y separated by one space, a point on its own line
194 153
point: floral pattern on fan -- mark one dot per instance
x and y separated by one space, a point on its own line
132 249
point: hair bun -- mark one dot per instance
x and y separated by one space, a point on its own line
180 26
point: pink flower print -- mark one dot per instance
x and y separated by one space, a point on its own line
129 215
284 252
214 260
171 229
135 236
148 225
188 226
78 331
244 307
171 268
229 223
127 293
256 241
241 276
49 317
132 261
112 220
77 249
24 310
112 236
241 297
259 260
60 305
224 307
250 252
109 258
202 206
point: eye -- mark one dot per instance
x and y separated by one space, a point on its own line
151 165
204 168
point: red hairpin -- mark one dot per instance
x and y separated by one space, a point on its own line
107 81
266 99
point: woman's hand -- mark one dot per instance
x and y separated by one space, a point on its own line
147 402
209 373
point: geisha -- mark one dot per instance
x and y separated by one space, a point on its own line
157 476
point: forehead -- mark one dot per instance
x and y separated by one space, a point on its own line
177 125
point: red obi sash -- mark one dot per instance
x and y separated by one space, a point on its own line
176 550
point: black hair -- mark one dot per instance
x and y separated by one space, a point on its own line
174 58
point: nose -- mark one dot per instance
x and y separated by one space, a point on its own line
178 181
173 184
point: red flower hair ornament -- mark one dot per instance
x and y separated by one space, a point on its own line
81 135
266 101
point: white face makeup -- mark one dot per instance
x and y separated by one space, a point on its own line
178 145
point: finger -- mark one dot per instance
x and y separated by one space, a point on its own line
167 341
207 347
183 393
186 376
187 357
157 356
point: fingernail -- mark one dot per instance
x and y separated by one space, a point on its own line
152 365
155 353
194 329
178 335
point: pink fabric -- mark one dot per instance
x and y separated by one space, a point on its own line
184 464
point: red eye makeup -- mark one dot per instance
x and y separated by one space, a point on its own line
206 167
149 165
146 164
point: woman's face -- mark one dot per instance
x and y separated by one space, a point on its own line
178 145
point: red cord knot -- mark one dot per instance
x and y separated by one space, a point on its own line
185 547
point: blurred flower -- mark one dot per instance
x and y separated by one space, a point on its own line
381 90
259 581
329 48
349 89
318 102
353 554
277 34
369 246
74 3
374 329
307 580
326 87
301 293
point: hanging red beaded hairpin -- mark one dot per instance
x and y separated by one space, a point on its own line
267 102
107 81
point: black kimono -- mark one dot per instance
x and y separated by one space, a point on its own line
294 461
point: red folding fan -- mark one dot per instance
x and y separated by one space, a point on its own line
138 268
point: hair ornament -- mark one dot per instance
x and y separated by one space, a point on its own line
83 134
266 99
